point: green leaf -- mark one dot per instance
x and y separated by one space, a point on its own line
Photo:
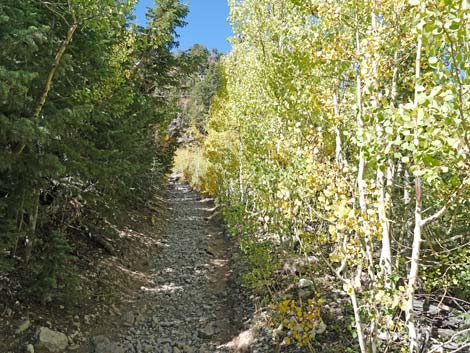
432 60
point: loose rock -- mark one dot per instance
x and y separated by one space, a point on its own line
51 341
102 344
23 327
305 283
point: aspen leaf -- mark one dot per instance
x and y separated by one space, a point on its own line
348 288
419 172
332 230
432 60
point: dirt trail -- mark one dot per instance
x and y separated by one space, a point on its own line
189 305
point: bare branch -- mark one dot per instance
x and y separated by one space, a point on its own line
452 198
54 11
467 344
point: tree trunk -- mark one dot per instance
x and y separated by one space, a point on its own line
386 251
338 147
50 77
416 247
413 274
240 171
360 124
31 235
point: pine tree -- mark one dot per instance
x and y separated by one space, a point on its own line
83 118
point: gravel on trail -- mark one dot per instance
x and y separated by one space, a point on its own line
191 304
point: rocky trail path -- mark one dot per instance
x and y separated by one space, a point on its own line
191 304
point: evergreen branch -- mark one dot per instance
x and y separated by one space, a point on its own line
49 80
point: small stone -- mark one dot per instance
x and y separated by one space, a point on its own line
87 319
139 318
204 349
304 283
128 318
321 327
102 344
127 346
23 327
188 349
70 340
115 309
167 349
51 341
147 348
29 348
206 333
164 341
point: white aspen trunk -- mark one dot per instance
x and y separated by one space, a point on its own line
407 201
416 247
363 342
413 274
357 320
353 284
393 90
362 161
386 255
338 150
386 251
360 124
338 156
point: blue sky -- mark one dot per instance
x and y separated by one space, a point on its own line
207 23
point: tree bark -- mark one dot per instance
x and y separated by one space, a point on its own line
386 251
49 80
338 147
417 236
31 236
360 123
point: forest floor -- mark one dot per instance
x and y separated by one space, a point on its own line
170 285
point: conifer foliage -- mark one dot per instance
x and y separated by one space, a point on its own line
83 118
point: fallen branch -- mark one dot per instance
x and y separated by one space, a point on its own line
437 348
